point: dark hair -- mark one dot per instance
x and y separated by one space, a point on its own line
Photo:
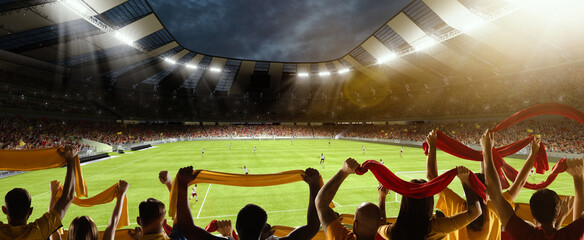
545 205
18 203
472 196
251 220
83 228
413 218
151 209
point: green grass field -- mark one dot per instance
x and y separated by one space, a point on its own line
285 204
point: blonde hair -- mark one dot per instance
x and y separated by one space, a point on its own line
83 228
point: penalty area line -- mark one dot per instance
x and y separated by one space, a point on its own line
203 203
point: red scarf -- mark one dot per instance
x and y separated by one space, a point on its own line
416 190
458 149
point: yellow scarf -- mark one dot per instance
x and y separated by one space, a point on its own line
241 180
28 160
106 196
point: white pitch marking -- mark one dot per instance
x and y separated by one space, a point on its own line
203 203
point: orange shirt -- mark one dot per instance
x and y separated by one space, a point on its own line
451 204
41 228
336 230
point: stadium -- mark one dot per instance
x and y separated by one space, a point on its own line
334 120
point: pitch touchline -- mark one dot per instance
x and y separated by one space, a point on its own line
203 203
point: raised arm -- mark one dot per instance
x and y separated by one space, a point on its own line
164 178
54 188
524 172
69 153
312 177
471 198
110 230
458 221
328 191
575 169
431 166
504 210
382 196
565 210
184 218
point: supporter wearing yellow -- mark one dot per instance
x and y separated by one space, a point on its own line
367 216
17 208
488 225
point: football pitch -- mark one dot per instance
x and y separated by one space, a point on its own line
285 204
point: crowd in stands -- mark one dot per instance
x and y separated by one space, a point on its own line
23 133
558 135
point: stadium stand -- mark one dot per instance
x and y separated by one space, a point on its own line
78 74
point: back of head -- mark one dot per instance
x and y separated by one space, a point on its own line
477 224
17 203
82 228
251 220
367 220
413 218
152 212
545 205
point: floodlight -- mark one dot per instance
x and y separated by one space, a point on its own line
214 69
303 74
324 73
344 70
168 60
123 38
191 66
384 59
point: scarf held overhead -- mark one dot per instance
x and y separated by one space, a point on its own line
416 190
37 159
541 165
106 196
240 180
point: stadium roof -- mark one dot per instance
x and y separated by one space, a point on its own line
300 30
430 43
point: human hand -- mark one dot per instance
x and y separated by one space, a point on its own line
311 176
463 174
487 140
164 177
350 165
431 139
122 188
382 191
225 228
68 152
136 233
535 144
574 167
185 175
267 231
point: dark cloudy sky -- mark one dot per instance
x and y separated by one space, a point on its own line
274 30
